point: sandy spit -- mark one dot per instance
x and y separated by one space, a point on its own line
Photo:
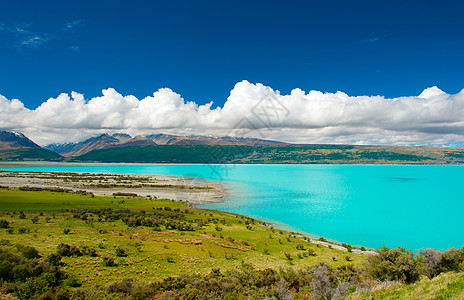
186 189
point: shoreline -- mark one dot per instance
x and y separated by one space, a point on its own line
77 164
179 188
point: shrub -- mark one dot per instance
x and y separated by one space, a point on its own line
72 281
431 262
322 282
434 261
311 252
451 259
68 250
23 230
54 259
121 287
108 261
300 247
120 252
35 219
30 252
288 256
66 231
4 223
347 246
393 264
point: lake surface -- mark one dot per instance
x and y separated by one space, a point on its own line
370 205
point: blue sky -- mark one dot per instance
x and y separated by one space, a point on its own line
201 49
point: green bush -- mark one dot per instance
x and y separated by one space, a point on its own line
68 250
30 252
347 246
393 264
54 259
311 252
451 259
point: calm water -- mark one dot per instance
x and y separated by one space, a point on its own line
370 205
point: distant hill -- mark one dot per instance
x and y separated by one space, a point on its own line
167 139
16 146
101 142
282 154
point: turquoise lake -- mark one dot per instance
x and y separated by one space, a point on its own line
371 205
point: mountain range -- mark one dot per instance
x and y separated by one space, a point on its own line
164 148
121 140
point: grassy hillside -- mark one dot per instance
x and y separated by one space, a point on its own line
28 154
445 286
184 240
321 154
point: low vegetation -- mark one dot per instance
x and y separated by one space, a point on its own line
64 245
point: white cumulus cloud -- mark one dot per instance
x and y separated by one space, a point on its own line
252 110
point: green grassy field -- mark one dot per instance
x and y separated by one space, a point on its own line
225 242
